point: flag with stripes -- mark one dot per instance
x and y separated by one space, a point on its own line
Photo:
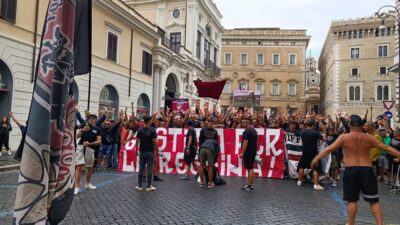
46 179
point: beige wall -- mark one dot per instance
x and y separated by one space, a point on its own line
283 73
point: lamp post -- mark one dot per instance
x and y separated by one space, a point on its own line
383 16
132 104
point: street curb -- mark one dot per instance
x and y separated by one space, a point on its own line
9 167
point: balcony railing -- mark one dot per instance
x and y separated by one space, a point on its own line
212 67
167 42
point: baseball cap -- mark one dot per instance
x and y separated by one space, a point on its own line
355 121
189 123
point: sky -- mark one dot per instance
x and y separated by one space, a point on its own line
313 15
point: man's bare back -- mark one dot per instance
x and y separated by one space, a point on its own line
356 147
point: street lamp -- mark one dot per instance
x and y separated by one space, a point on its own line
383 16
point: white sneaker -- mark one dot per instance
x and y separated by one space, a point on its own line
318 187
299 183
150 189
76 191
9 152
90 186
334 184
137 188
0 153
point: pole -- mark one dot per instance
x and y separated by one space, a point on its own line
89 87
398 64
371 112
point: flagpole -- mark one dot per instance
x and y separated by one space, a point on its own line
89 89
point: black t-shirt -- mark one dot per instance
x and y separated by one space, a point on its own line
146 136
191 133
250 134
208 133
330 139
310 141
90 135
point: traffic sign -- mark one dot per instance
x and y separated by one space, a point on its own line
388 114
388 104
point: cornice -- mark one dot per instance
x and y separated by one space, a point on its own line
127 17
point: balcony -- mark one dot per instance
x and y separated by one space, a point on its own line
167 42
212 68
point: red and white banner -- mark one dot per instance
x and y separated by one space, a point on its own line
171 142
180 105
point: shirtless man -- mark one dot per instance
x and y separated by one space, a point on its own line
358 175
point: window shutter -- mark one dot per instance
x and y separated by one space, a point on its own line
11 10
149 64
144 59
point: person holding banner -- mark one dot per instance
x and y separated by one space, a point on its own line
359 175
190 149
249 151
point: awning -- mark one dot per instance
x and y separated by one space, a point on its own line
394 68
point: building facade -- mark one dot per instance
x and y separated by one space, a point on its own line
191 30
270 61
354 66
312 84
122 48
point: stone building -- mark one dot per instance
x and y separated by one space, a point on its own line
134 63
191 30
354 64
269 61
312 83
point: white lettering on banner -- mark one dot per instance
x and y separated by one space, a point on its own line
164 163
221 140
270 145
232 168
178 164
129 145
238 144
222 168
175 132
272 165
125 166
258 170
260 132
163 138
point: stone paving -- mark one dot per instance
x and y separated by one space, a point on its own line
184 202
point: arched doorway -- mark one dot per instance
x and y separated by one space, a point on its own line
172 90
109 99
6 88
143 106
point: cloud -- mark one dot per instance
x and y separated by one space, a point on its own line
313 15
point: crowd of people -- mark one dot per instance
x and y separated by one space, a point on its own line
99 139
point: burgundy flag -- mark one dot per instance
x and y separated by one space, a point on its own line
210 89
46 179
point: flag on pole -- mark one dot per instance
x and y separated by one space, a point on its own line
210 89
46 179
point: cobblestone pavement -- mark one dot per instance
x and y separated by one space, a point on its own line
7 160
184 202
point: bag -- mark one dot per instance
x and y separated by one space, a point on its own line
219 181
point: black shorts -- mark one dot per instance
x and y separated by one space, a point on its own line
305 162
189 157
249 160
360 179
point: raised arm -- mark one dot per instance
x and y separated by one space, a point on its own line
14 119
385 148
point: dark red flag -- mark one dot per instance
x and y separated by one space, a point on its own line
210 89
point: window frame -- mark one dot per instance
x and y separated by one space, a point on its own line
351 53
295 59
148 70
272 88
262 86
387 50
174 46
225 91
386 70
358 72
117 35
5 14
273 59
247 58
383 85
230 59
263 59
295 88
245 82
354 85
